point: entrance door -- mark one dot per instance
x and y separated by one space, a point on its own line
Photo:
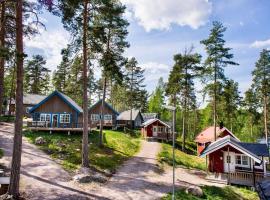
155 131
54 120
229 161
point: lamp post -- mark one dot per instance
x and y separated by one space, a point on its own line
173 109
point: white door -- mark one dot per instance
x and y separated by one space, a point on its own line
229 161
155 131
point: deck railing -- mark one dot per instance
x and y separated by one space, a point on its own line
247 178
41 124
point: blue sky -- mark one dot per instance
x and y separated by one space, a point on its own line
161 28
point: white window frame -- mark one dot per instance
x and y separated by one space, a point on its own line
154 129
241 157
64 118
44 117
108 117
95 117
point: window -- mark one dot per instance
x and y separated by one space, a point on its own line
241 160
238 159
244 160
95 117
228 159
64 118
154 129
107 117
160 129
45 117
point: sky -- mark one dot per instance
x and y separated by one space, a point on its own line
160 29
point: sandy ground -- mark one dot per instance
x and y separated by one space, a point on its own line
138 178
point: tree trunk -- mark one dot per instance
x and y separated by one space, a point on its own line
2 59
11 94
265 118
101 113
185 111
215 103
131 103
85 150
17 145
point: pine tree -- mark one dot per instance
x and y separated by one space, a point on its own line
115 31
134 79
219 57
36 75
61 75
157 99
261 85
17 144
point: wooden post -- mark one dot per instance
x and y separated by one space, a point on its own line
253 173
229 163
206 164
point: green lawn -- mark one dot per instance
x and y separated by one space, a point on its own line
118 147
216 193
181 158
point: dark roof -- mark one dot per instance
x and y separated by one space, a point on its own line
64 97
147 116
126 115
229 140
106 104
31 99
256 148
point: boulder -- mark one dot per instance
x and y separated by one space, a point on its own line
194 190
40 141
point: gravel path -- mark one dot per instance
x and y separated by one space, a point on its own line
41 177
138 178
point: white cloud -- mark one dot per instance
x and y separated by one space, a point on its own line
261 43
48 44
161 14
153 71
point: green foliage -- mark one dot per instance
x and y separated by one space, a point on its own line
217 193
37 78
7 118
157 99
181 158
117 148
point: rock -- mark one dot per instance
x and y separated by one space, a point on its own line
194 190
40 141
85 175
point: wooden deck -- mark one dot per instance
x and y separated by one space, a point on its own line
245 178
161 136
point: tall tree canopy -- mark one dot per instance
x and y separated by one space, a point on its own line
218 57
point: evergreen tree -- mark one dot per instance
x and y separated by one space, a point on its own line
231 101
157 99
134 82
36 75
115 31
218 57
261 85
61 75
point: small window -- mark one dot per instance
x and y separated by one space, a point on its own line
154 129
95 117
64 118
238 160
107 117
228 159
45 117
244 160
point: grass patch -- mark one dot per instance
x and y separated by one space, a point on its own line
190 146
1 153
181 158
7 118
216 193
118 147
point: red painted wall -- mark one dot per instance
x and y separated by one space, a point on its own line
149 129
216 162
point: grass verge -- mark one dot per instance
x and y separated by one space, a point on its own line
181 158
118 147
217 193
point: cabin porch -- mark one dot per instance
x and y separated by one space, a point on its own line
238 177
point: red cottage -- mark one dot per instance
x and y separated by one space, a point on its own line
155 128
207 136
